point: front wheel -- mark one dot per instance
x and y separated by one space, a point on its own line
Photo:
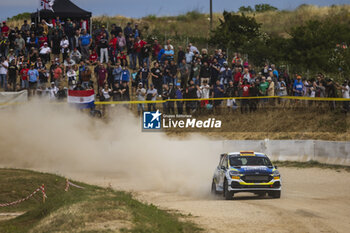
213 188
228 195
275 194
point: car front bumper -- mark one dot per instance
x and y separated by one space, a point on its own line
240 185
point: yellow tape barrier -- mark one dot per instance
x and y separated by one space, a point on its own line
224 98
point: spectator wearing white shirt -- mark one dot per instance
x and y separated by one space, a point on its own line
4 65
75 55
53 91
45 52
64 45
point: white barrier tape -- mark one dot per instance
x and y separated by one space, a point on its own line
77 186
41 188
68 183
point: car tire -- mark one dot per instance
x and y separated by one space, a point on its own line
275 194
228 195
213 188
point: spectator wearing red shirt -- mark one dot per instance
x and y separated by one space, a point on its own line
122 59
93 58
237 78
24 77
155 50
245 93
113 48
138 45
42 40
102 74
5 29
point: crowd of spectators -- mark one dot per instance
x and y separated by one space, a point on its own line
56 55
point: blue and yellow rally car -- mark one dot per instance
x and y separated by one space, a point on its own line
246 171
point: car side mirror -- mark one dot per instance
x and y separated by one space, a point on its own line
276 167
223 168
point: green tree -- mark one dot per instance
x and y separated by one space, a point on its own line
312 46
244 9
235 31
264 7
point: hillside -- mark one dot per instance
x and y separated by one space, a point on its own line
92 209
196 24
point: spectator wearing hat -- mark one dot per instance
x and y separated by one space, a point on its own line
45 52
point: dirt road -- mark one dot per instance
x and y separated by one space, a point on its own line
313 200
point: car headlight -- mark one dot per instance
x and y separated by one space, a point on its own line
234 173
276 173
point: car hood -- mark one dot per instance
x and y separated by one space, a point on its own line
253 170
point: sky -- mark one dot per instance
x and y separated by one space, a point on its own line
140 8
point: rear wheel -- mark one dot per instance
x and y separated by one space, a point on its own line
228 195
275 194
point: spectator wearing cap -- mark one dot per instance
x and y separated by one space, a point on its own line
298 86
103 45
45 52
136 31
25 27
128 30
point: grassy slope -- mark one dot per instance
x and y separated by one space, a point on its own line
93 209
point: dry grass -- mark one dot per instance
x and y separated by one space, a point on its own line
195 24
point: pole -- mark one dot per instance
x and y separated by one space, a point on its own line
211 15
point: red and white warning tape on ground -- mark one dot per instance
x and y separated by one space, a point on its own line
68 183
41 188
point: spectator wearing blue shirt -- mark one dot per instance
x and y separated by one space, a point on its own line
117 74
85 41
218 92
125 75
160 54
169 54
33 76
298 86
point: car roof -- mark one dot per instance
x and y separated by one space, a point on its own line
247 153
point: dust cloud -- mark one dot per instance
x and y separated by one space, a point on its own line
59 139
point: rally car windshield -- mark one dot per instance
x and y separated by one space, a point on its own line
249 161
